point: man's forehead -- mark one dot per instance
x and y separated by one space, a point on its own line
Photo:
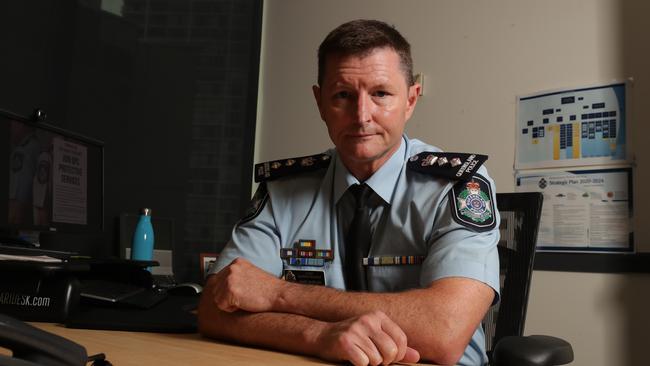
361 55
338 64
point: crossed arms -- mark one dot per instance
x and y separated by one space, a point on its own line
245 304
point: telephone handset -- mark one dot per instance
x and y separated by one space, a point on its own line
34 347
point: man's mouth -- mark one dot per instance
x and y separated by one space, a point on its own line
361 135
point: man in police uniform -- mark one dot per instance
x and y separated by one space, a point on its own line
430 272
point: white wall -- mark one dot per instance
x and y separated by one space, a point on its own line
477 56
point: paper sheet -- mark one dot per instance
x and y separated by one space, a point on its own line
585 210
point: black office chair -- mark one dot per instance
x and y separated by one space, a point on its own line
504 323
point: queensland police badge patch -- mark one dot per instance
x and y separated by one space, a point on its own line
472 204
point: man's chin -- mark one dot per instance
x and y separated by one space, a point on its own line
365 156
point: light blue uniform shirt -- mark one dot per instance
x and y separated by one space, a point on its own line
411 217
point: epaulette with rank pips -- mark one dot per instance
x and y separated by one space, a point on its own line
456 166
275 169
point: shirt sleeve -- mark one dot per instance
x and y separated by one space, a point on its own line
458 250
255 238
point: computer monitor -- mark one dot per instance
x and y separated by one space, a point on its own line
51 183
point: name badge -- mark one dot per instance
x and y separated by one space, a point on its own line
305 277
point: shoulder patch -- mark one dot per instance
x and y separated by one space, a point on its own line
281 168
472 204
257 204
455 166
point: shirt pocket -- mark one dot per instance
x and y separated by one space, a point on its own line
393 278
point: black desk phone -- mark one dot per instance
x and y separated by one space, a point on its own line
35 347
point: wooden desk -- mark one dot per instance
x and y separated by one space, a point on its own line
138 348
168 349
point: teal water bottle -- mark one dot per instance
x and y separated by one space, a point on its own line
143 238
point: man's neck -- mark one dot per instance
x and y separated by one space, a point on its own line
362 170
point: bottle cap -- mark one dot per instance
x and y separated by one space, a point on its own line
146 211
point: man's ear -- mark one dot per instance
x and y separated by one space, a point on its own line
412 99
318 97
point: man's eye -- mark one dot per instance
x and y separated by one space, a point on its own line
381 94
342 95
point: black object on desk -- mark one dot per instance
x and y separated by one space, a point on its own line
150 310
111 291
37 291
120 282
172 315
32 346
69 290
103 292
38 285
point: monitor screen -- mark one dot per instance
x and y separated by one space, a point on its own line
51 180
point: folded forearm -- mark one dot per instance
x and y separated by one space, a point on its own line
244 304
333 305
270 330
437 320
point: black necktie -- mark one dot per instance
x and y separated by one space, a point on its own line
357 243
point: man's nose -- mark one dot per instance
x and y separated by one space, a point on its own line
364 108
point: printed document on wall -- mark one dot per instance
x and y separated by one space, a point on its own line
588 210
572 127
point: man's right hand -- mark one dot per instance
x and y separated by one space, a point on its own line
243 286
370 339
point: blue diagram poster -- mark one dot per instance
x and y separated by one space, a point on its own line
572 127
